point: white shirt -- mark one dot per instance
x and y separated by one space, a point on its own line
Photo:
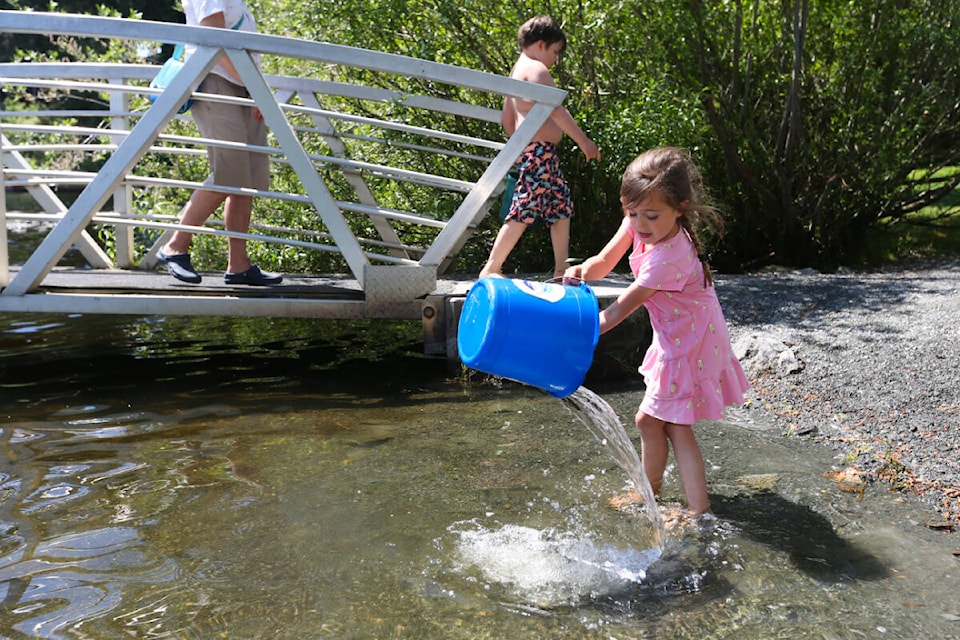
236 15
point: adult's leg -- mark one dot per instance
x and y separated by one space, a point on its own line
506 240
229 167
693 474
653 449
560 239
201 206
236 217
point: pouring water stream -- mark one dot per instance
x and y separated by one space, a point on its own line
602 421
494 304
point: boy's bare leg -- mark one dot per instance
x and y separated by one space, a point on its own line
507 239
560 239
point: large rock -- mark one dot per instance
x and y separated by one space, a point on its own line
764 353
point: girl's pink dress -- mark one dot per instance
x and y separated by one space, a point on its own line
690 371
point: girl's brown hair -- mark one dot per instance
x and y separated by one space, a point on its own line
672 172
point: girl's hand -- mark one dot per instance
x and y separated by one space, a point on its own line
573 275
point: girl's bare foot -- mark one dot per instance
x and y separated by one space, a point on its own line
628 501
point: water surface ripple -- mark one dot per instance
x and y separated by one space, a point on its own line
217 478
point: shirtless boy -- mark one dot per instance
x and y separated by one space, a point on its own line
541 190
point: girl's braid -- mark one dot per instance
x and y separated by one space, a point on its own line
689 224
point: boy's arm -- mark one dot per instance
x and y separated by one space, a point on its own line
570 127
508 117
562 118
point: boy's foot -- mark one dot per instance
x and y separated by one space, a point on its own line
179 266
253 276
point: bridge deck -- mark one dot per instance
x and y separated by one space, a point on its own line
117 282
136 292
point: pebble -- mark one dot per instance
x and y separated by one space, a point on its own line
876 376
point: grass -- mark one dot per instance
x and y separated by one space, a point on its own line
930 233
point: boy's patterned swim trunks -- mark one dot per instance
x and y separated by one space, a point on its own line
541 191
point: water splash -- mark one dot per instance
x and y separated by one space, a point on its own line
549 568
604 423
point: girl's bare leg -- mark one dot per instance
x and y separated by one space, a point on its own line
693 474
653 449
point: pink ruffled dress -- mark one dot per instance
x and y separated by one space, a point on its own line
690 371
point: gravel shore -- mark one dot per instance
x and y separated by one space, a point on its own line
878 379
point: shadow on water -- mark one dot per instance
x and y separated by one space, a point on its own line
692 571
808 538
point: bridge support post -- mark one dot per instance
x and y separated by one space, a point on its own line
389 289
440 315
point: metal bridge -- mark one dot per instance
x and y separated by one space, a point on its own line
337 137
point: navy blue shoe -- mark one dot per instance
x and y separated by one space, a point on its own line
180 266
253 276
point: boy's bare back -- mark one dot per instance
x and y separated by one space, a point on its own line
530 70
533 65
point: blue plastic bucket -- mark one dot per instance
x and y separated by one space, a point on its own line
541 334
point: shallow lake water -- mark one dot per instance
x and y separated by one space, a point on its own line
218 478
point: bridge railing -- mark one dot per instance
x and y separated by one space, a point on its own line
352 146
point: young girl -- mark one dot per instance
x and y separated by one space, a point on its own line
690 371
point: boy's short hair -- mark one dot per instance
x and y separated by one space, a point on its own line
541 28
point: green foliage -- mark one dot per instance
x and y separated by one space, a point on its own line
818 126
656 115
821 114
809 120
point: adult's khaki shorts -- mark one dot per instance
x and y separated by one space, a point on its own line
234 123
